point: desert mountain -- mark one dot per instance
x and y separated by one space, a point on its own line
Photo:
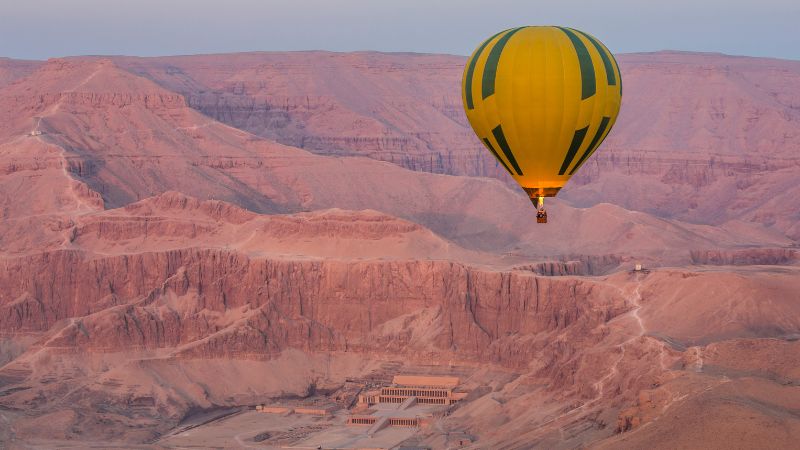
705 138
182 235
113 137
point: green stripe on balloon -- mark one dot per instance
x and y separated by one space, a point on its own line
500 137
588 82
490 70
592 145
577 140
471 71
610 76
494 152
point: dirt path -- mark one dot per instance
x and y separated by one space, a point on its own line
634 299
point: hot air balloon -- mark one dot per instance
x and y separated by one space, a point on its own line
541 99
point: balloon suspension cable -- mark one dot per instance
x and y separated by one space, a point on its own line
540 203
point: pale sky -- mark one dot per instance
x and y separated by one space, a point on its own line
39 29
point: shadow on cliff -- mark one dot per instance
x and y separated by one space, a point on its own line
469 232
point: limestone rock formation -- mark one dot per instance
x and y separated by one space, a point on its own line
183 234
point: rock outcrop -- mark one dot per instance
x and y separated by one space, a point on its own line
259 307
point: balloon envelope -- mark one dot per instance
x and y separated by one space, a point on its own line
542 99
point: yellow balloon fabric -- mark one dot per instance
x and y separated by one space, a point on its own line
542 99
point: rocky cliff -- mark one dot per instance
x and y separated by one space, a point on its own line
156 262
221 303
705 138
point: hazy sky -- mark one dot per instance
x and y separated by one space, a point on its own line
39 29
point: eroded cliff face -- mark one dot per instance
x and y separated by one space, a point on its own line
744 257
144 140
140 335
576 265
711 154
132 332
405 109
214 303
286 120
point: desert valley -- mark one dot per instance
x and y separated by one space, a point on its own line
187 239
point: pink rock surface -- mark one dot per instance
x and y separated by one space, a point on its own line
12 69
155 260
706 138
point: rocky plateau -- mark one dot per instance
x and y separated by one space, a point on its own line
181 235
